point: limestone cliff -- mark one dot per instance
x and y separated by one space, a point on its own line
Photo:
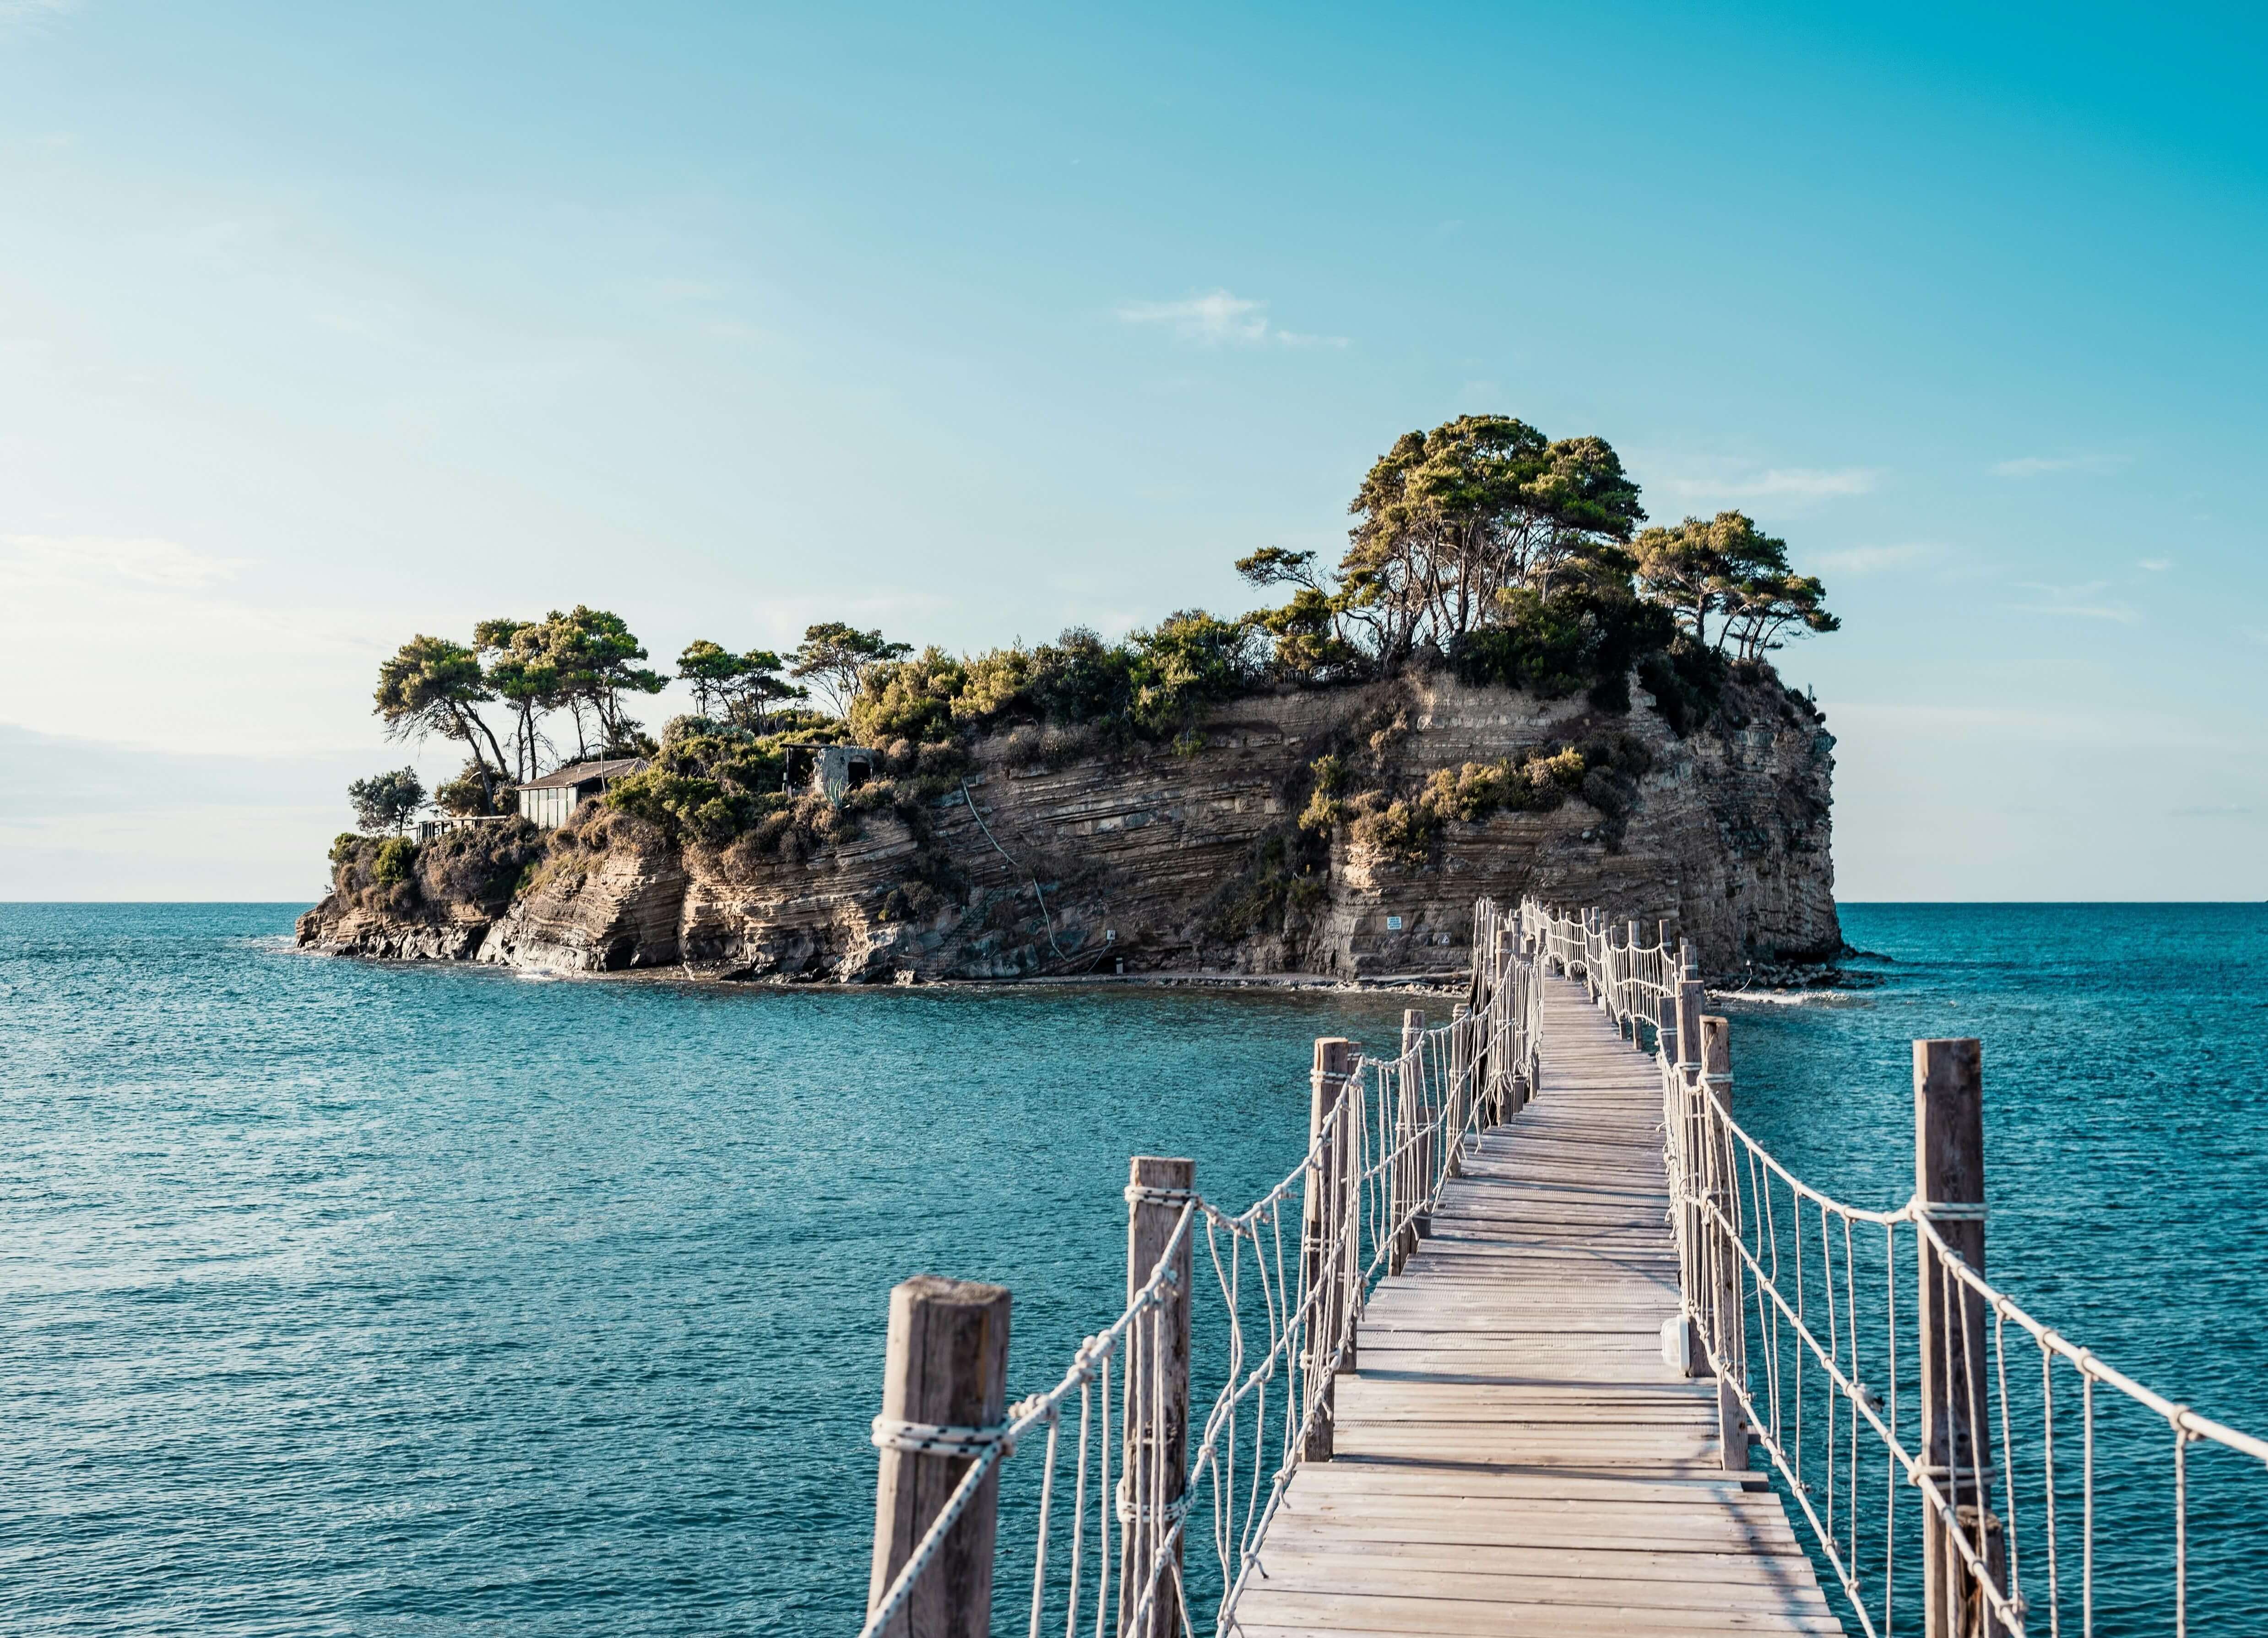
1173 859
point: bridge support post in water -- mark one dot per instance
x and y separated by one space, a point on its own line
1326 1231
1727 1323
1949 1188
1156 1389
947 1367
1692 1225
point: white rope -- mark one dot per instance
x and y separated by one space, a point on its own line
1148 1195
925 1438
1133 1512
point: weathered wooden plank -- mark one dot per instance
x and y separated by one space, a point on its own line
1611 1563
1339 1612
1361 1575
1481 1483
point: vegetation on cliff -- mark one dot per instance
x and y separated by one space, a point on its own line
481 867
1482 548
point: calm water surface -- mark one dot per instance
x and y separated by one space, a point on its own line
347 1299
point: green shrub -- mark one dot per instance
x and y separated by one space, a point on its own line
1583 636
483 864
1188 662
1403 831
1687 682
1324 811
707 782
1152 686
1604 772
912 698
395 860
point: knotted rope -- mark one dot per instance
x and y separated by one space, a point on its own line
929 1438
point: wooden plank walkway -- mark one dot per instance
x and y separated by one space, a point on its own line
1513 1457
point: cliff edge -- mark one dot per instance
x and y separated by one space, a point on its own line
1341 831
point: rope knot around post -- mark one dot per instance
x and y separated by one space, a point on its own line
1149 1194
1133 1512
930 1438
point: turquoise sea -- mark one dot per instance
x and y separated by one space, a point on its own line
348 1298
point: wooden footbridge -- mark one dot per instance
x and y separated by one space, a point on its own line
1535 1340
1512 1455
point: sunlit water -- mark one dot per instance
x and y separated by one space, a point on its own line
348 1298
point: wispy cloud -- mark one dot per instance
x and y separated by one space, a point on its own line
2041 465
2155 565
1872 560
193 650
48 560
2080 602
34 11
1801 483
1217 319
676 288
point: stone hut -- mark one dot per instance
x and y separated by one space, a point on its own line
832 771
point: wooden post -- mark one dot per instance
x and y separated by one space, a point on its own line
1157 1389
1322 1234
1949 1171
1606 964
1501 1069
1727 1323
1461 1059
1630 971
1401 1172
1480 1052
1430 1137
947 1364
1690 998
1520 1082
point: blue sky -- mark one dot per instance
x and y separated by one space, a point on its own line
320 325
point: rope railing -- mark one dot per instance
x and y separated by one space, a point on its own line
1289 1274
1172 1436
1912 1383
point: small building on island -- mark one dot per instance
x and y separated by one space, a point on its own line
830 770
551 801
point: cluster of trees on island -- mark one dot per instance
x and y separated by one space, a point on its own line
1481 547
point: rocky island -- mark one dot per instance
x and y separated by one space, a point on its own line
1506 687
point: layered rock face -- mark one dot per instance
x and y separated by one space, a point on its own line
1190 860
